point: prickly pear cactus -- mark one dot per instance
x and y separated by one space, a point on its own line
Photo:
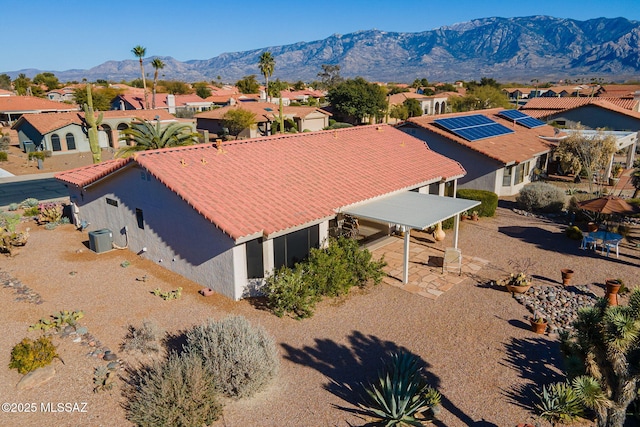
93 123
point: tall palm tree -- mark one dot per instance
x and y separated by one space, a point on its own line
139 52
157 64
146 136
267 64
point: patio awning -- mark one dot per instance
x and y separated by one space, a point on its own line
411 209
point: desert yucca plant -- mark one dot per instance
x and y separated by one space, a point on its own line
559 404
401 394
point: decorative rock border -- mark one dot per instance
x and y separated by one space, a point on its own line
559 305
25 293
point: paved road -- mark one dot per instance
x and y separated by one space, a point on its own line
39 186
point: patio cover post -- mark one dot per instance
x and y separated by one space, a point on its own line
456 225
407 234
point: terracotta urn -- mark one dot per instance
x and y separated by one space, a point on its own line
591 227
539 327
613 287
439 234
567 274
517 289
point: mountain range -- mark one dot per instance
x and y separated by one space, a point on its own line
506 49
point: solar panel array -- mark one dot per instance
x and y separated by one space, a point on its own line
521 118
473 127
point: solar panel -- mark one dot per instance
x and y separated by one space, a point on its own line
521 118
473 127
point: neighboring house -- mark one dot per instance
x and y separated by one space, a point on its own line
164 101
621 91
62 133
12 107
305 118
4 92
549 109
227 217
501 163
63 94
430 104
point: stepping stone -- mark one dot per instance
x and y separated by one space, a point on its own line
36 378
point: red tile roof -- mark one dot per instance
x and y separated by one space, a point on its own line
515 147
137 100
544 107
620 91
45 123
266 185
264 111
24 104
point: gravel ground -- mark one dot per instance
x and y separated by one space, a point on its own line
474 340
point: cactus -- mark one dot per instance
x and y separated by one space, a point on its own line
93 123
102 379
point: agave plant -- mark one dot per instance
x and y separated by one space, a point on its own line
400 393
559 404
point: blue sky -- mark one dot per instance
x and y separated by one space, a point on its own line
61 35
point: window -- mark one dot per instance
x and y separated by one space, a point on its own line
55 142
522 170
294 247
255 265
112 202
506 176
71 141
140 219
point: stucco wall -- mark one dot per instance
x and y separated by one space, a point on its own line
175 235
595 117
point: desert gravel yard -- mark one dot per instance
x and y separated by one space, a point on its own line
473 339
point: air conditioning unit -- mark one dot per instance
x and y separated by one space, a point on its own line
101 240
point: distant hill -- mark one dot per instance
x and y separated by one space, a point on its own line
507 49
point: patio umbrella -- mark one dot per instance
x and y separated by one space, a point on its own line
608 205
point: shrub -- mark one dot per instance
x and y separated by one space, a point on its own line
330 271
178 391
574 233
13 207
33 211
29 203
241 358
144 339
3 156
9 221
488 199
559 403
288 291
400 394
29 355
541 196
36 155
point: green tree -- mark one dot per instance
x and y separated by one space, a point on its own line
589 153
102 97
604 354
414 109
175 87
5 82
480 98
267 65
238 119
47 79
248 84
299 85
330 76
21 84
358 99
392 89
276 87
157 64
399 112
418 83
202 89
146 136
139 52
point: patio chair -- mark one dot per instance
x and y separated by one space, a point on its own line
609 245
588 243
452 260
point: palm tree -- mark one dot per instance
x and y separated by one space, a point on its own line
635 181
146 136
267 64
157 64
139 52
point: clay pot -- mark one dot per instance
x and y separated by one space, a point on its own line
439 234
518 289
591 227
613 286
538 327
566 276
